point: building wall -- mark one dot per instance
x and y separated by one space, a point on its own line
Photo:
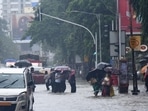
18 14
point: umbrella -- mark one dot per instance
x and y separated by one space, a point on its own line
142 60
96 73
102 65
143 69
62 68
65 71
146 56
23 63
112 70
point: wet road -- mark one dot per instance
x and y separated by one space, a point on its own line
84 100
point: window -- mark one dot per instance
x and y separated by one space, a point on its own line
14 6
14 12
27 5
12 81
14 0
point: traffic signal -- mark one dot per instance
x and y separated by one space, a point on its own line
116 48
106 30
38 15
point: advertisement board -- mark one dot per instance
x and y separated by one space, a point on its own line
123 77
20 23
123 8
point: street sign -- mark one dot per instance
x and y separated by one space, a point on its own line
143 48
114 40
135 42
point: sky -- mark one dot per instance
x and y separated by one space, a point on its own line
0 8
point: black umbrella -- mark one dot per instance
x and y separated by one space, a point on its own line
102 65
96 73
142 60
112 70
23 63
146 56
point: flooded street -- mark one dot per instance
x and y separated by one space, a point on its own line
84 100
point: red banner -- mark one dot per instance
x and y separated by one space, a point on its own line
125 18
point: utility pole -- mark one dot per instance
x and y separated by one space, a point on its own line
135 87
94 39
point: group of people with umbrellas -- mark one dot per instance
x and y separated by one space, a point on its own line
100 79
57 79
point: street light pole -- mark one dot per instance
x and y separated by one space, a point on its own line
135 90
99 24
100 40
94 40
96 62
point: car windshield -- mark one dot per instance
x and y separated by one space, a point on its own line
12 81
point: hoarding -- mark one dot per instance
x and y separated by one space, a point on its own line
20 23
123 8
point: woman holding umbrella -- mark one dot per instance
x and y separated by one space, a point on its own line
95 78
107 88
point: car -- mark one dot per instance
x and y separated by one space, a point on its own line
38 76
16 89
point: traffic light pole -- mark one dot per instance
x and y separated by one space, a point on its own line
94 38
98 16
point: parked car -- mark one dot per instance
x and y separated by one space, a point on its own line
16 92
38 74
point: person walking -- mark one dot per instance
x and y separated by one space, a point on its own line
47 80
52 78
146 79
72 81
58 81
64 76
107 88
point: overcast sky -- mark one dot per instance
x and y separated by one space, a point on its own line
0 7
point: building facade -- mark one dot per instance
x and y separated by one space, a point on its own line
18 14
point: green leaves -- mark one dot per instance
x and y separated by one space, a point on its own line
68 39
7 48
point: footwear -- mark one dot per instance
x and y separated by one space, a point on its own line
96 93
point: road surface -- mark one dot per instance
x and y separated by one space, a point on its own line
84 100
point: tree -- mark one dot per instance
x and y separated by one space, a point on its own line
140 7
7 48
68 39
85 14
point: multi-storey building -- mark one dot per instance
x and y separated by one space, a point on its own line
18 14
13 11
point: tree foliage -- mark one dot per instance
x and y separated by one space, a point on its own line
68 39
7 48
